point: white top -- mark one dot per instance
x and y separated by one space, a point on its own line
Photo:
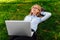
36 20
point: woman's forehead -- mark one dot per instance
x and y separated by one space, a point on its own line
37 6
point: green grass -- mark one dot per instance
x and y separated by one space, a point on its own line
48 30
6 0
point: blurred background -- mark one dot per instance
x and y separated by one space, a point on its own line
18 9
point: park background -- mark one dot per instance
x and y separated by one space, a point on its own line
18 9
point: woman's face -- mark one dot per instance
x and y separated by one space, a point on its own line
35 10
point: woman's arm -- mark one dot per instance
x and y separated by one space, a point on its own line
46 16
26 18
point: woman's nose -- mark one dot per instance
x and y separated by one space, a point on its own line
34 10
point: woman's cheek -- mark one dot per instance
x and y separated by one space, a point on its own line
37 10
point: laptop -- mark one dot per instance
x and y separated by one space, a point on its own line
20 28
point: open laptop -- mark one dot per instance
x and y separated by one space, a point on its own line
20 28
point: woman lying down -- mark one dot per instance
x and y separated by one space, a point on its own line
36 16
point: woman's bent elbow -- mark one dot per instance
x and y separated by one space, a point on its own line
49 14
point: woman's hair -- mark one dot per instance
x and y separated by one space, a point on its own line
39 7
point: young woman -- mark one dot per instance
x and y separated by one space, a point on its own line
35 16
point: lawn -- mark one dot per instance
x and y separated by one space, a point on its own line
47 30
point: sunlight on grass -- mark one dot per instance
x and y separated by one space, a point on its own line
19 0
7 0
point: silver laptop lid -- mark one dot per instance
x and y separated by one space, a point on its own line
16 27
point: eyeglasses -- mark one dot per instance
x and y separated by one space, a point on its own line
36 8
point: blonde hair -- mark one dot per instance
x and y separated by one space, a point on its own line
39 7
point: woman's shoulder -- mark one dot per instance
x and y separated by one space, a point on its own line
28 16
